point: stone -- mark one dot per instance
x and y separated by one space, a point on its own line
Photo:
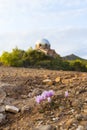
55 119
80 127
26 108
75 103
85 111
35 92
2 108
12 109
58 79
65 81
61 108
48 82
79 117
24 96
2 117
45 127
85 118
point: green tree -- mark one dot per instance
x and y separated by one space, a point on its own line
78 65
35 56
6 58
17 57
13 58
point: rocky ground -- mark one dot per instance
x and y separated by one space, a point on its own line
19 110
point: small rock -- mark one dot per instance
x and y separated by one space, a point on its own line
12 109
58 79
46 76
80 127
48 82
72 110
2 108
45 127
61 108
2 118
55 119
24 96
79 117
35 92
85 118
65 81
85 111
75 103
26 108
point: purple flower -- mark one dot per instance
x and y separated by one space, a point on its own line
45 95
66 94
50 93
39 99
49 99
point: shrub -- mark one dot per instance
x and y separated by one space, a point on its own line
77 65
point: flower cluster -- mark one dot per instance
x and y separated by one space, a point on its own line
45 95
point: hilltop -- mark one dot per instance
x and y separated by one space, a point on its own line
72 57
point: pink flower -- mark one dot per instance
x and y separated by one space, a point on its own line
45 95
66 94
50 93
39 99
49 99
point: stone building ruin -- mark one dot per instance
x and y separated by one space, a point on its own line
44 46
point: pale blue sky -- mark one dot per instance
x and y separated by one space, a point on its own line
62 22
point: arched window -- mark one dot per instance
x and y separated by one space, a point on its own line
40 45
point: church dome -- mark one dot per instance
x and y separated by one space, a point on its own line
43 43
